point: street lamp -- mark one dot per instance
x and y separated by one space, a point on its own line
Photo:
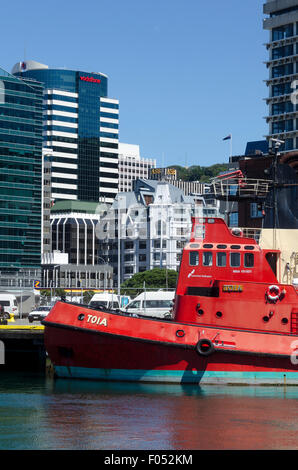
54 272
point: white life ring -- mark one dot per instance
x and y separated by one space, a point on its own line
273 293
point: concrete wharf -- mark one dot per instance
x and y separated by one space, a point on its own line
22 347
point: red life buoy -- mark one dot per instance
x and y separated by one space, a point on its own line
273 293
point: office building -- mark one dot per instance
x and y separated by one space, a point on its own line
80 127
132 166
20 180
282 24
75 259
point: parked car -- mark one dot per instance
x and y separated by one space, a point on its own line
39 313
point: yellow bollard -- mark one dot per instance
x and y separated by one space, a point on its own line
11 318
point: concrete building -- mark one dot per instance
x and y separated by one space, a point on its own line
80 127
57 272
282 24
132 166
75 260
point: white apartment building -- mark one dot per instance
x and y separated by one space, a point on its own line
132 166
155 224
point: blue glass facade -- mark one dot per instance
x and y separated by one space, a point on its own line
20 173
89 89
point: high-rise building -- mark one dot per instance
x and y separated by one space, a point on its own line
282 64
132 166
20 180
80 126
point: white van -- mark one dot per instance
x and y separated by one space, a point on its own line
105 300
152 304
9 304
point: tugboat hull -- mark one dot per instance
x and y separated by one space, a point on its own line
146 350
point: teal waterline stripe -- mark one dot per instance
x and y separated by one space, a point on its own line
176 375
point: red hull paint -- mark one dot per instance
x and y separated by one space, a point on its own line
130 344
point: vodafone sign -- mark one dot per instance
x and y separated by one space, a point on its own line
90 79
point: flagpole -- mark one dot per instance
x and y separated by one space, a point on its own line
231 145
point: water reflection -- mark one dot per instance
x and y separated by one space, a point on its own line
95 387
39 413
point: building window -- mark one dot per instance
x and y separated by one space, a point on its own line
233 219
279 52
282 126
255 210
282 70
128 270
282 32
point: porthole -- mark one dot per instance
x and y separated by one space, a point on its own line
81 317
284 321
218 314
180 333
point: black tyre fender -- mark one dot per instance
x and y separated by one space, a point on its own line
6 316
204 347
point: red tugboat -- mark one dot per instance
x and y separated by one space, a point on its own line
233 322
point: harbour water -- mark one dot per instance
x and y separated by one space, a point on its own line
40 413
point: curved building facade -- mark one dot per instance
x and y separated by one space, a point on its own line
80 128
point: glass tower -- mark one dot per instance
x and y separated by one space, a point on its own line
80 127
20 180
282 64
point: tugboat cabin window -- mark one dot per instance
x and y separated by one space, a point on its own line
207 258
221 259
193 258
235 260
248 260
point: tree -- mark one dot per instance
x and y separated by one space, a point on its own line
87 296
45 294
199 173
157 278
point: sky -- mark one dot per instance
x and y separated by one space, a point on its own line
187 73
